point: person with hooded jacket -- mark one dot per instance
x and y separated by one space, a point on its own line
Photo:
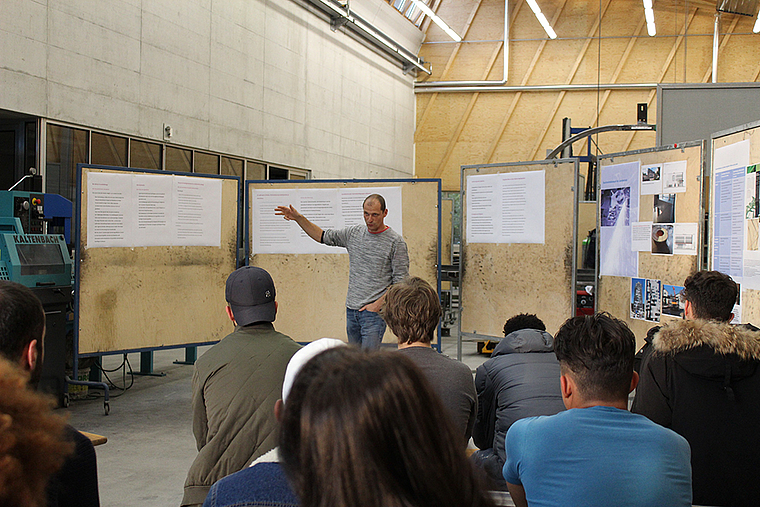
520 380
702 380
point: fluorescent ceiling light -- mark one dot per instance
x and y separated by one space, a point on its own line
438 21
542 19
649 15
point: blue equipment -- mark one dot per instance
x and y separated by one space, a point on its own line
41 262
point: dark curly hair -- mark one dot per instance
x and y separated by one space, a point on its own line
599 351
523 321
712 295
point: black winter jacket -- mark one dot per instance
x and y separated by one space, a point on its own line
702 380
520 380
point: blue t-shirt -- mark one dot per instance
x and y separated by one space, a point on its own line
598 456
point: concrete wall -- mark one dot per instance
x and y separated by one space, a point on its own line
251 78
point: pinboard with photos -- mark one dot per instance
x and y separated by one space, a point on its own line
650 225
310 278
734 244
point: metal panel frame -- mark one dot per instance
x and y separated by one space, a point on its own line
718 135
78 218
247 233
463 251
656 149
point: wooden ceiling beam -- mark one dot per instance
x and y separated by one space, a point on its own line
447 68
664 71
616 75
466 116
518 95
570 77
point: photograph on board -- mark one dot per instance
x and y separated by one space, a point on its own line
651 179
638 288
662 239
672 302
653 300
664 211
615 206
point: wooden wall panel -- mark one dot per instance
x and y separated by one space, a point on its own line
516 126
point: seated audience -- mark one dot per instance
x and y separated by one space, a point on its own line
520 380
32 440
22 333
264 482
596 453
236 384
412 310
702 380
366 429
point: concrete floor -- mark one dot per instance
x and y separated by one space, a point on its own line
150 439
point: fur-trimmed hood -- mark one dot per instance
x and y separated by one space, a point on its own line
711 350
723 338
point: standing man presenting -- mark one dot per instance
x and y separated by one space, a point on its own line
377 257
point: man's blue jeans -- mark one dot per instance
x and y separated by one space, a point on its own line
365 329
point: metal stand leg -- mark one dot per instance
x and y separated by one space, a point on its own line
97 385
191 354
146 365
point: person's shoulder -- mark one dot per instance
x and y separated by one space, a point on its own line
258 485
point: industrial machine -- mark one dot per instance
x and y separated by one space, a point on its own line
41 261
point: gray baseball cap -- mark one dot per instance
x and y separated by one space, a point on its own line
250 294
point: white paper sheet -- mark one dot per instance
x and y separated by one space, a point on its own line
109 210
619 207
651 179
641 236
751 273
483 202
731 156
523 207
674 177
271 233
152 205
506 207
198 211
320 206
737 311
686 239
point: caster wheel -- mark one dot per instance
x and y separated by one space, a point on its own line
66 400
107 407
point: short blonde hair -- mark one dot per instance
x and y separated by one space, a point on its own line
32 441
412 310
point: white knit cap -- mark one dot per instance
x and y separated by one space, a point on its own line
302 357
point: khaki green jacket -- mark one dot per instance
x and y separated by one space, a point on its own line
235 386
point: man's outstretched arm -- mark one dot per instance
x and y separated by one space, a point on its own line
289 213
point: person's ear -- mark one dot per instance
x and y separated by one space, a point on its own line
634 381
30 356
565 386
385 212
279 410
688 310
276 307
229 313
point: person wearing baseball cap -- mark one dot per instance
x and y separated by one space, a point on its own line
236 384
265 482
